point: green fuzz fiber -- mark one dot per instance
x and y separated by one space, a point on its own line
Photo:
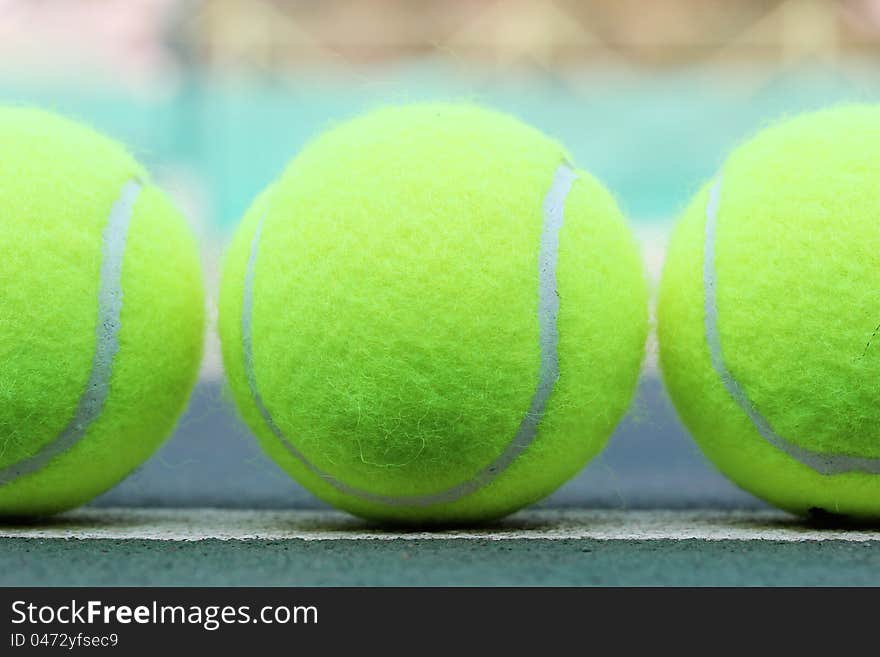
797 290
394 318
59 184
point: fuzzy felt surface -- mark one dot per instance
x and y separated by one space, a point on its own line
58 183
395 311
798 307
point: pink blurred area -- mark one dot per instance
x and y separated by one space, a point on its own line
115 39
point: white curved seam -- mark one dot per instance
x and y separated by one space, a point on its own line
825 464
94 395
548 337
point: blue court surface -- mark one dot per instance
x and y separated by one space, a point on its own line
203 547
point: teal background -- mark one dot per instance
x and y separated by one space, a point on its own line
652 138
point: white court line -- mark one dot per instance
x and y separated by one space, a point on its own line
202 524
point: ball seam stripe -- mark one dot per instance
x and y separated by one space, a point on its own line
94 395
548 337
825 464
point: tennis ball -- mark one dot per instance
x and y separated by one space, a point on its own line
100 313
432 316
769 315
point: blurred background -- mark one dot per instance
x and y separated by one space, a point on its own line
215 96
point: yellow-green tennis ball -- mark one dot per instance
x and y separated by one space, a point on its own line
769 315
100 313
432 316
